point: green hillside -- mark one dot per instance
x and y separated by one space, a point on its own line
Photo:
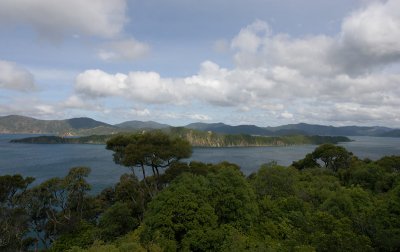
14 124
198 138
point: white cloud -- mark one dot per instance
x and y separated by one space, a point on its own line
199 117
287 115
331 78
141 86
371 36
139 112
123 50
97 83
369 39
53 19
249 39
183 116
15 77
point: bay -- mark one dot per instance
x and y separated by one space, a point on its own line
44 161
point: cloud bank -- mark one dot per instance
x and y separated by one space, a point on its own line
342 78
54 19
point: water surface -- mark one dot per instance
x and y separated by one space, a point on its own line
44 161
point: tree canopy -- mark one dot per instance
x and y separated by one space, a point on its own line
331 156
153 149
330 201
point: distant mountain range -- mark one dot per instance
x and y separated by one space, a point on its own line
141 125
14 124
295 129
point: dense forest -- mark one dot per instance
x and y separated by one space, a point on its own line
329 201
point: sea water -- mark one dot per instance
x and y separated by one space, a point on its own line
44 161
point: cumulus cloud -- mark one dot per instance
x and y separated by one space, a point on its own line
141 86
29 107
15 77
123 50
369 39
53 19
371 36
334 78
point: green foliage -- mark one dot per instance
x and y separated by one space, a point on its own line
14 221
193 211
390 163
275 181
154 149
179 211
308 162
83 236
57 207
130 191
232 197
333 158
351 205
116 221
386 233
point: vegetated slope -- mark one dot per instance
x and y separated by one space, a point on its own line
22 124
290 129
228 129
198 139
211 139
85 123
76 126
311 129
141 125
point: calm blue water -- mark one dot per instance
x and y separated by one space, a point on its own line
45 161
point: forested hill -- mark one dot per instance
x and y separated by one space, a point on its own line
211 139
198 139
84 126
14 124
290 129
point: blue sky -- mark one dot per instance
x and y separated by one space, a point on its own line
263 62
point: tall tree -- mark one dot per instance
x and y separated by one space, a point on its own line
149 149
331 156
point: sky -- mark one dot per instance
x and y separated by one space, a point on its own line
261 62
